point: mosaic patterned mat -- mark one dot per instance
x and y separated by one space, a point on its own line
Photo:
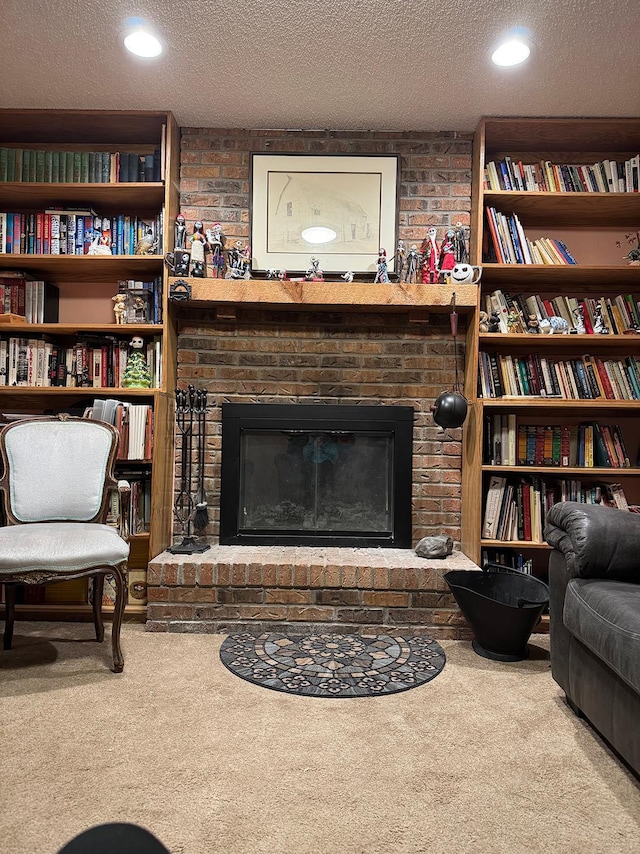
333 664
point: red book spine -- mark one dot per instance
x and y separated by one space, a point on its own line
604 378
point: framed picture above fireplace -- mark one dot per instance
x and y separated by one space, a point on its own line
338 208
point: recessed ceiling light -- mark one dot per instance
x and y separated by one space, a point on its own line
142 42
319 234
511 52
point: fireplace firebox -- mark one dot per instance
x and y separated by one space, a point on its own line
319 474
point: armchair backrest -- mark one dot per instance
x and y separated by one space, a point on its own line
57 469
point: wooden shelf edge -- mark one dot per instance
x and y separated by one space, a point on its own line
558 403
514 544
599 471
330 295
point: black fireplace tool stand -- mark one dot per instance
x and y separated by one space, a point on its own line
190 505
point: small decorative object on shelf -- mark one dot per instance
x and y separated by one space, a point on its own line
180 291
446 254
461 243
147 244
180 233
101 243
119 308
136 373
465 274
216 242
400 258
483 321
413 262
239 265
429 252
533 325
633 255
382 273
494 322
314 273
178 262
282 275
348 276
599 325
198 246
554 326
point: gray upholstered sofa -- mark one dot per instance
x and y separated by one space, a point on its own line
594 581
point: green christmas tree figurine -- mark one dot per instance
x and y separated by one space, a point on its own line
136 374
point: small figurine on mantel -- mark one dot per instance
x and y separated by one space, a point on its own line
136 373
399 259
413 261
382 273
461 243
198 245
429 251
314 273
348 276
446 254
180 233
216 242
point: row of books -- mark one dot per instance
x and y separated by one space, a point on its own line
581 378
90 362
605 176
507 559
72 232
510 244
134 423
34 299
588 445
588 315
516 507
78 167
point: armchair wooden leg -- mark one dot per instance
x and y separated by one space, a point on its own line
9 614
98 588
120 578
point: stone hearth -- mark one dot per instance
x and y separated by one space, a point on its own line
232 587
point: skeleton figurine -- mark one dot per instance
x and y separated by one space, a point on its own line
180 233
382 274
413 261
314 273
216 241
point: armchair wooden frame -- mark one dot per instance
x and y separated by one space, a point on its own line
43 576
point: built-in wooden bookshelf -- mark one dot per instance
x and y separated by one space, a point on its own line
86 285
590 223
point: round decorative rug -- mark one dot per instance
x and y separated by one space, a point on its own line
333 664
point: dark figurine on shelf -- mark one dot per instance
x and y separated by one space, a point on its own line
180 233
461 243
599 325
198 245
413 262
382 270
493 324
216 242
533 324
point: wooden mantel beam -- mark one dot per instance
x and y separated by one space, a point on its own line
356 296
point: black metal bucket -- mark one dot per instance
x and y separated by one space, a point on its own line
502 606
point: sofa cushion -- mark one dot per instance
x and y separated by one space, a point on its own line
605 617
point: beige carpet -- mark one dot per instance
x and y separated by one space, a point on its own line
486 758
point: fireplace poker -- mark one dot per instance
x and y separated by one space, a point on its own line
201 517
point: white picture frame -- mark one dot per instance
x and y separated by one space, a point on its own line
353 196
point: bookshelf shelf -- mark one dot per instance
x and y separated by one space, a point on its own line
84 268
86 285
589 210
593 218
142 196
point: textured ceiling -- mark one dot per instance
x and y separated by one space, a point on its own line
361 64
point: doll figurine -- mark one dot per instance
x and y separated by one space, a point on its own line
399 259
180 233
198 246
119 307
461 243
216 242
382 274
413 260
446 254
136 373
429 252
314 273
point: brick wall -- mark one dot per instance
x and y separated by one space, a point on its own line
306 357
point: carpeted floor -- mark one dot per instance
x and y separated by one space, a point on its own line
333 664
486 758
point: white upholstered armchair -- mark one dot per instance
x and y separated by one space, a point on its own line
56 484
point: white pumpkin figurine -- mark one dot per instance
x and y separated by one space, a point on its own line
464 274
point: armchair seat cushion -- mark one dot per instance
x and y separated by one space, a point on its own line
605 617
60 547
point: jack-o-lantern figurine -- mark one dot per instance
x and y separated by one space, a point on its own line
464 274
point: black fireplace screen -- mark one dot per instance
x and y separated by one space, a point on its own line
323 474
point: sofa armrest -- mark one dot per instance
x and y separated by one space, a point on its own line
596 541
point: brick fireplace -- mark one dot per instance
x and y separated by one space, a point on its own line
257 354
